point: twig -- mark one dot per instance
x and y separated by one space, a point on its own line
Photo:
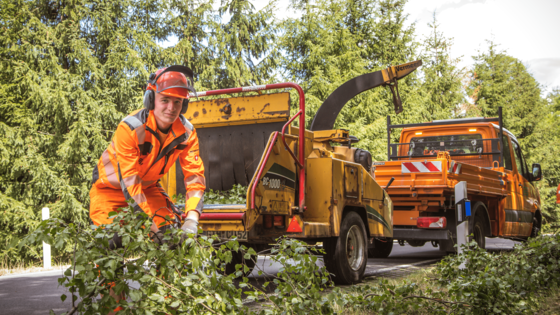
264 293
264 251
192 297
437 300
92 293
371 294
46 134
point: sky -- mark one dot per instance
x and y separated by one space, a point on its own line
527 30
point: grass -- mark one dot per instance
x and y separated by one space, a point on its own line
550 303
549 300
422 276
7 268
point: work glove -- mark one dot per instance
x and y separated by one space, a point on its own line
190 226
157 237
115 242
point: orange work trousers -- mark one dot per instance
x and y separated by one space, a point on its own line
105 200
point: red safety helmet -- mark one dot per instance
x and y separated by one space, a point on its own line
170 83
173 81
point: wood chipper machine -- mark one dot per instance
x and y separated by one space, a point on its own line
311 185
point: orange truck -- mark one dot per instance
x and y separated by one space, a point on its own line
432 158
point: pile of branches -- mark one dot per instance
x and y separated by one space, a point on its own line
187 275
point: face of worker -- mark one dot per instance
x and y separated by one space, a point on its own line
166 110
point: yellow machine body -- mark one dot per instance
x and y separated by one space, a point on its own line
335 183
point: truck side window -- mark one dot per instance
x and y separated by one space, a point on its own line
507 156
519 159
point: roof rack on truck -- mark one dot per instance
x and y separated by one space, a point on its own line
496 150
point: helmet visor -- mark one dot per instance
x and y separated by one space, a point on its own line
173 84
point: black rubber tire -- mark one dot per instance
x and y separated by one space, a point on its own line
447 246
336 254
536 230
382 248
238 258
416 243
479 235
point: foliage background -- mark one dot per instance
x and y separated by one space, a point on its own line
70 71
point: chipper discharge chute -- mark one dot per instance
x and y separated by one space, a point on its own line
307 184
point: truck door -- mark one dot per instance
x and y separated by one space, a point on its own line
526 192
510 204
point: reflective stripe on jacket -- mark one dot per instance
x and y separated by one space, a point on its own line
136 159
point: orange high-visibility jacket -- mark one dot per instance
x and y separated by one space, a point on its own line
136 159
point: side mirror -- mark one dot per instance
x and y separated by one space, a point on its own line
536 175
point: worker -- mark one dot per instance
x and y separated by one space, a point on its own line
147 143
558 195
144 147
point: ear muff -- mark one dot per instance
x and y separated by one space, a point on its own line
149 99
185 106
149 102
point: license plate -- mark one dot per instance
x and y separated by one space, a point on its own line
226 235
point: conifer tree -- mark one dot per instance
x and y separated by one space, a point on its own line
545 150
320 52
442 82
554 99
335 41
232 46
241 42
500 80
70 71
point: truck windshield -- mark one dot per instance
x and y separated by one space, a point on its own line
454 144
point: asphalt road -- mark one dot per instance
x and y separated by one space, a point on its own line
37 293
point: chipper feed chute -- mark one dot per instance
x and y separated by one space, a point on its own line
329 110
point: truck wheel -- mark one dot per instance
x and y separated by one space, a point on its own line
447 246
237 258
478 232
416 243
536 228
346 256
382 248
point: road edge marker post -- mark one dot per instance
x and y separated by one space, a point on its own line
46 247
463 207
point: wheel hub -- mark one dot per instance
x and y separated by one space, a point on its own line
355 247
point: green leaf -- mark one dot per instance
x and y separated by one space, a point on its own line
135 295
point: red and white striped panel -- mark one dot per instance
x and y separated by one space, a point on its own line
421 167
454 168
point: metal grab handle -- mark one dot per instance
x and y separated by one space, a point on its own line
260 170
390 182
284 139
